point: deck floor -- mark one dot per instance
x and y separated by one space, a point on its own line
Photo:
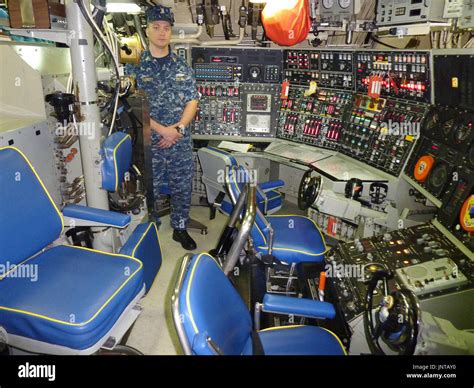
153 332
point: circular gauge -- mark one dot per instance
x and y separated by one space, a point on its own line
470 155
438 177
432 119
465 216
462 131
447 119
254 72
328 3
423 167
344 3
447 126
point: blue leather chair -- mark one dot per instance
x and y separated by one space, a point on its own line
292 239
211 318
144 242
80 299
214 162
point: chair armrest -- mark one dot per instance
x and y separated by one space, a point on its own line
271 185
279 304
95 217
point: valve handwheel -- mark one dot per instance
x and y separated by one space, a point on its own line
310 187
397 317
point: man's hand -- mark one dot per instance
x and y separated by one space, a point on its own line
170 136
164 144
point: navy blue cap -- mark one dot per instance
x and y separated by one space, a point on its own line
158 12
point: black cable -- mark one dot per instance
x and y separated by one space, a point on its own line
382 43
225 28
191 11
367 39
229 20
133 118
137 198
101 231
100 6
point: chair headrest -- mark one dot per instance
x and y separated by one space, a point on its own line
223 154
117 149
238 177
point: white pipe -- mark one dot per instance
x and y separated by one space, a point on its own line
215 42
183 37
226 42
85 84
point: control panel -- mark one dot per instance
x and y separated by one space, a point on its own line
234 64
315 115
433 166
434 275
443 165
467 14
403 74
300 67
260 109
420 257
391 13
457 213
443 151
219 110
301 60
381 132
335 11
225 72
453 76
229 109
315 119
336 70
239 91
329 69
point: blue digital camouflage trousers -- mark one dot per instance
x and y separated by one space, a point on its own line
173 169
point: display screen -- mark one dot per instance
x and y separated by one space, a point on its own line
258 103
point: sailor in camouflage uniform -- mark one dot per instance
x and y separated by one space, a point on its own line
171 89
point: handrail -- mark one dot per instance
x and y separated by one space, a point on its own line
245 228
228 184
258 212
177 316
234 218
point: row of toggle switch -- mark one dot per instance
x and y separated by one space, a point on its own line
218 91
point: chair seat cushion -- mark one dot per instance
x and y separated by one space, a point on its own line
75 298
300 340
296 239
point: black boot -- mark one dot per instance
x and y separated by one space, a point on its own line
185 239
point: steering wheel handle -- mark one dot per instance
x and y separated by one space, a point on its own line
397 318
309 189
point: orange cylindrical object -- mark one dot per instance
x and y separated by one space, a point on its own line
322 281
